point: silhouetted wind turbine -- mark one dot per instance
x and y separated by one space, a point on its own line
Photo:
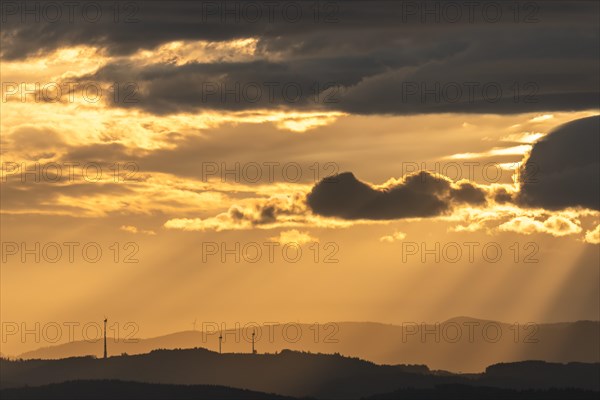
220 341
194 324
253 351
105 352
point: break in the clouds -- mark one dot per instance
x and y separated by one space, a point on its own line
562 169
561 172
389 60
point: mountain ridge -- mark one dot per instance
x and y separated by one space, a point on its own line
291 373
381 343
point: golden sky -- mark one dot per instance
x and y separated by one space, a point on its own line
172 187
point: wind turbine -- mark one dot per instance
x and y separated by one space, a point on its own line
220 341
194 324
105 352
253 351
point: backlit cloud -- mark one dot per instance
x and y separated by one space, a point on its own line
393 237
417 195
294 236
562 169
593 236
554 225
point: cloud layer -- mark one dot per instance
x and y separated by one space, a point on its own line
399 61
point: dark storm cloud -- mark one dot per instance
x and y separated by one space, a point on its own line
339 26
563 169
303 84
385 58
419 195
451 75
532 71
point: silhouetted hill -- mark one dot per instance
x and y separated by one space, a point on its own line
92 390
289 373
466 392
133 390
540 374
386 344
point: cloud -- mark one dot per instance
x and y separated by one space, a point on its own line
417 195
393 237
274 212
554 225
502 194
562 169
593 236
63 197
294 236
498 151
69 192
149 25
27 138
135 230
367 83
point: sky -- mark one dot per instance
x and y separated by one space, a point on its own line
170 162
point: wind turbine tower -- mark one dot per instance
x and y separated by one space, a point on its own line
253 351
220 341
105 353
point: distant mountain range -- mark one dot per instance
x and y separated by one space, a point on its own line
460 344
296 374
